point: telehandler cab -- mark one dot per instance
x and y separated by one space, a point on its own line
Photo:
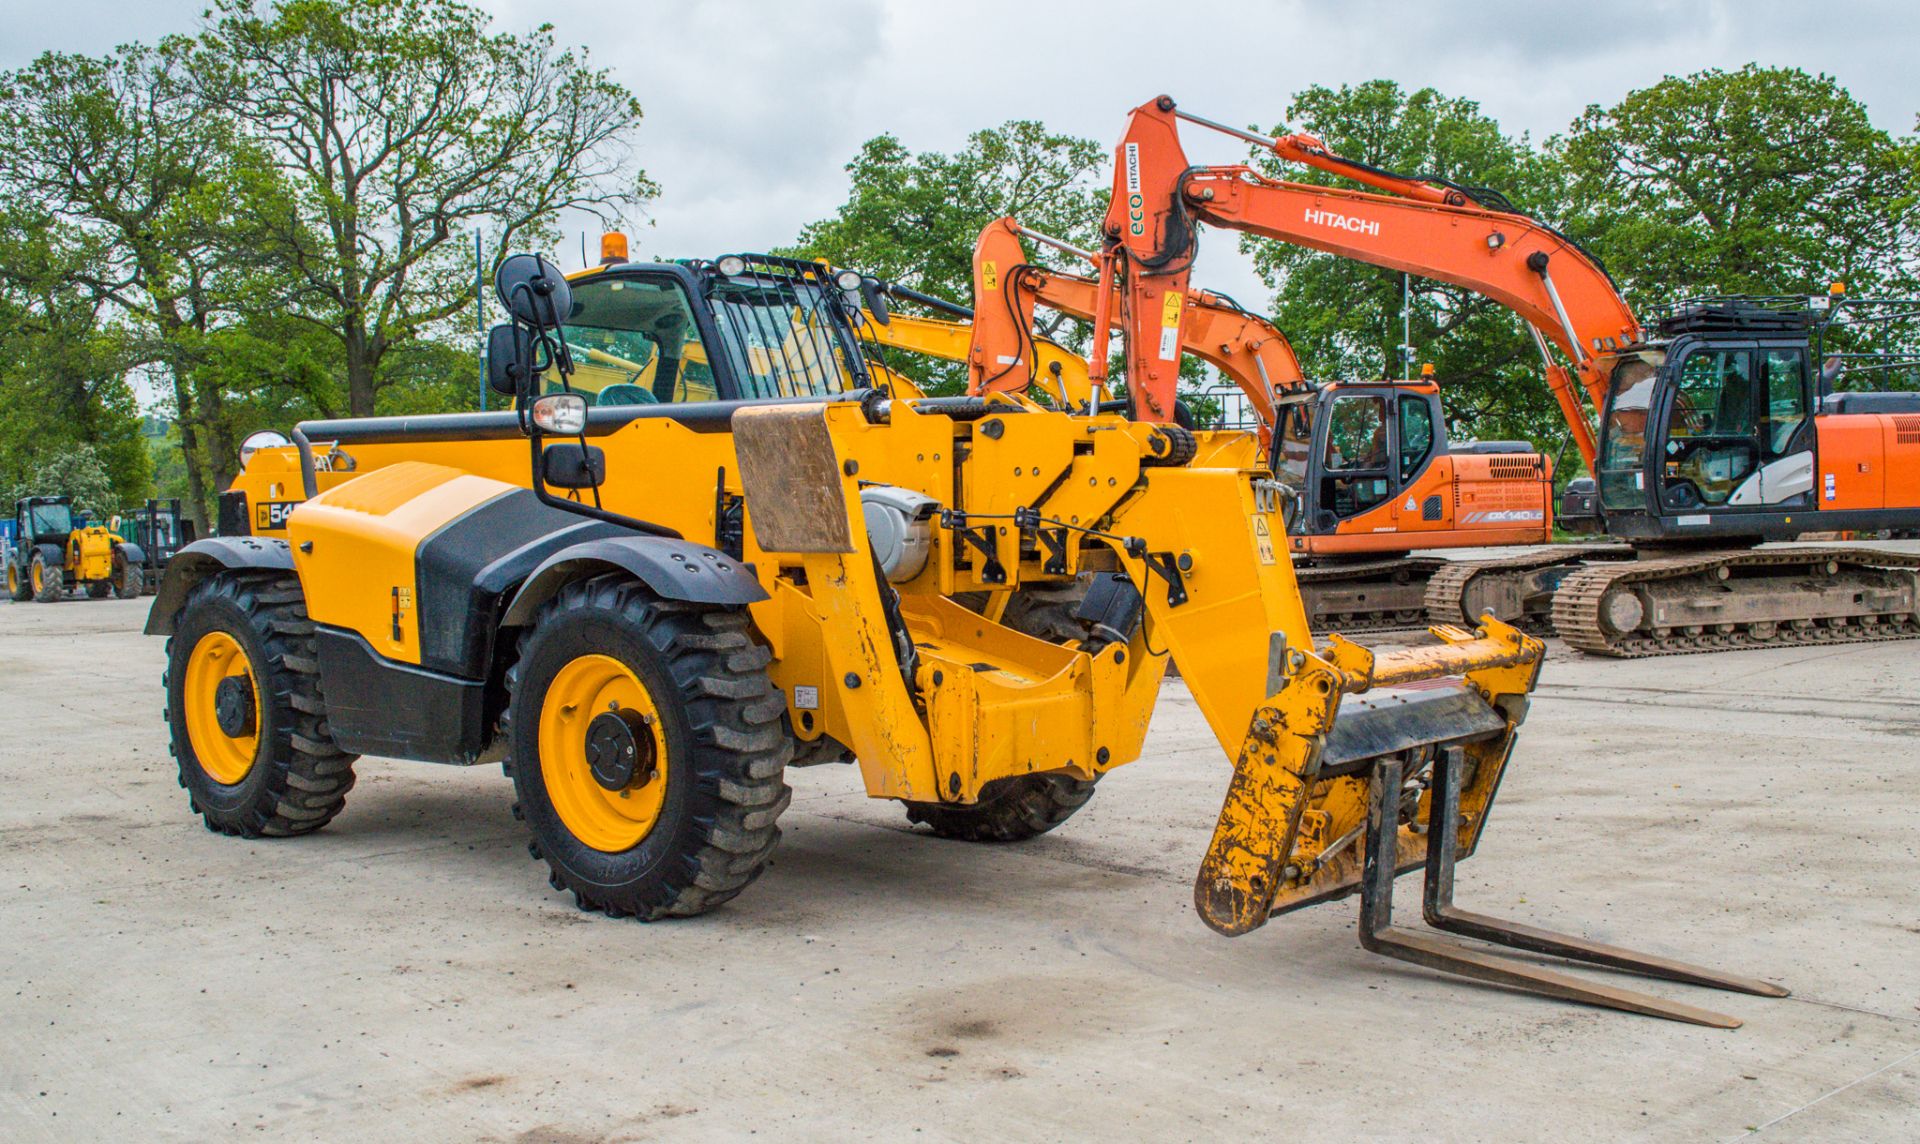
648 611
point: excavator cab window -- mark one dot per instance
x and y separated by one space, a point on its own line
1357 477
1712 428
1416 434
1788 401
1293 449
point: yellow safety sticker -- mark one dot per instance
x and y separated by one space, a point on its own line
1263 539
989 276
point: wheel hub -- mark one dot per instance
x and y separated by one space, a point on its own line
233 706
620 749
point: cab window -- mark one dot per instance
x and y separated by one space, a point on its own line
635 342
1786 399
1416 435
1356 456
1357 434
1711 427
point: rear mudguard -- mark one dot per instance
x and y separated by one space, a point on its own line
204 558
675 569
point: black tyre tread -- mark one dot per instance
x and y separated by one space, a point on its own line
1010 809
735 714
308 776
53 580
129 579
22 588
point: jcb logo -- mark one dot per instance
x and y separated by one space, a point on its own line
272 516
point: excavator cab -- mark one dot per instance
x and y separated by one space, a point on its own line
1717 429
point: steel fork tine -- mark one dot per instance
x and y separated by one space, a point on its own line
1379 935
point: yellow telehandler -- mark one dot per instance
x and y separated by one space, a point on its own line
56 553
649 610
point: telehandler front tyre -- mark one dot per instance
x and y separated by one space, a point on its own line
49 580
243 703
647 749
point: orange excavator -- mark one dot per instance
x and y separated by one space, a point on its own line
1713 431
1368 465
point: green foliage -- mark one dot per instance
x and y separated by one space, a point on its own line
381 133
77 472
1344 318
63 362
273 218
913 218
1761 180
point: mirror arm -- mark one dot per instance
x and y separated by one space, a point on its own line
547 497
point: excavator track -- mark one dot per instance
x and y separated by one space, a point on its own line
1629 610
1499 583
1371 595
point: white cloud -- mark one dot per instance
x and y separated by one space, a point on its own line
754 106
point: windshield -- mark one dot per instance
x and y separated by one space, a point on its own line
781 336
1623 444
49 519
1294 449
634 341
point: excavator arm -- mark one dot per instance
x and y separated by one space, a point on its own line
1007 288
1420 227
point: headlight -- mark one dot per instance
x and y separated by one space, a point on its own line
848 280
561 413
733 265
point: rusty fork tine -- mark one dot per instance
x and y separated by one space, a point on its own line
1379 935
1442 914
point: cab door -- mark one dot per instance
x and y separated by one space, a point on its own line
1710 445
1356 470
1421 479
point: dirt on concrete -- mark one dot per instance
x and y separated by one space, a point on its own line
407 972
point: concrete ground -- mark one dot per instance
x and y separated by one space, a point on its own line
407 972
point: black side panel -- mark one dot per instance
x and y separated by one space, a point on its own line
463 568
378 707
233 519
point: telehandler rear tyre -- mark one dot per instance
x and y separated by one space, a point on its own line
1010 809
129 579
243 703
18 586
647 749
49 580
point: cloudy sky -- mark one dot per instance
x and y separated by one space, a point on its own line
754 106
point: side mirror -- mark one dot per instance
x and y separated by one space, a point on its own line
263 439
875 300
509 359
534 291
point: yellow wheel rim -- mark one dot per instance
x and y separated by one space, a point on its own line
13 579
606 820
227 758
39 582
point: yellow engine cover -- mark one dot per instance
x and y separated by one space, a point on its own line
354 547
90 553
